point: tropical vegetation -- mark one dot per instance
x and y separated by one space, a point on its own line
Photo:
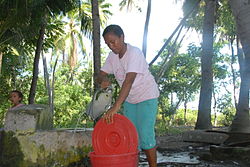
45 53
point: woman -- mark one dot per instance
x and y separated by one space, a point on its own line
139 91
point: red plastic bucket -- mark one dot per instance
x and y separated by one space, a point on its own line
117 160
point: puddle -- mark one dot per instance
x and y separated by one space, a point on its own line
171 158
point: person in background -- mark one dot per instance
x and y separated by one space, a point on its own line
16 98
139 92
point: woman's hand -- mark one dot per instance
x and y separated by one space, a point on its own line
109 115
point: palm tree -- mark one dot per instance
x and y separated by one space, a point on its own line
79 24
73 38
204 109
39 44
11 35
86 16
43 10
241 12
96 39
130 3
145 33
94 16
13 22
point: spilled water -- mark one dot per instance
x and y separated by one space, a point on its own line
171 158
186 159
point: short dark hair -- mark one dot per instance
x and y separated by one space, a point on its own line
117 30
18 93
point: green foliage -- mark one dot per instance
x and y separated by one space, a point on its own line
15 75
20 21
191 116
86 16
72 107
71 97
161 129
225 21
178 125
226 107
19 28
221 62
180 81
195 21
165 123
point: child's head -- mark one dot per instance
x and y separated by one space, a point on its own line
16 97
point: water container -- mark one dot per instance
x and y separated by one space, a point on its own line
117 160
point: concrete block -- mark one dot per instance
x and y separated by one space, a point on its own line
201 136
44 148
28 118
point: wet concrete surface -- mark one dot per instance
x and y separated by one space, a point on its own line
173 151
189 158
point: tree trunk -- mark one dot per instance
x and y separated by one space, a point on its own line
185 111
63 56
204 109
47 81
145 34
53 87
73 56
73 53
1 61
233 73
96 39
39 44
215 107
241 12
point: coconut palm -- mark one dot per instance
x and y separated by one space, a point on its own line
96 39
241 12
133 3
145 33
94 16
73 38
44 10
79 24
204 114
86 16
